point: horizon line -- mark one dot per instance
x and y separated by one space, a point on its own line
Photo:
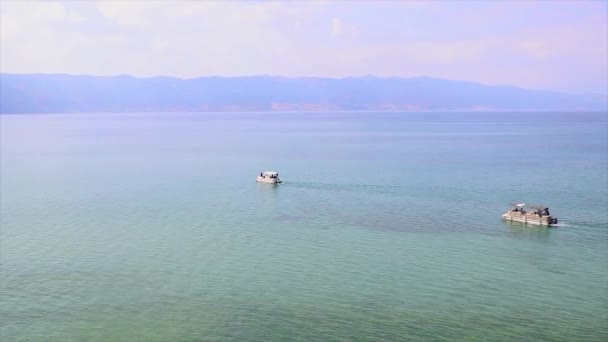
305 77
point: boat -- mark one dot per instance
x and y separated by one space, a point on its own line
268 177
530 214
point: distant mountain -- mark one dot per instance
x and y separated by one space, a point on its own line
59 93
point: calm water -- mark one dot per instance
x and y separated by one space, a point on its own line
150 227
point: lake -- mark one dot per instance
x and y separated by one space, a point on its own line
151 227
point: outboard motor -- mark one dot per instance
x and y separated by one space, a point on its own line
553 221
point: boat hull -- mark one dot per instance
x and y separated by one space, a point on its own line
267 180
529 219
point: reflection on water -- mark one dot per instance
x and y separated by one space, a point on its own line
529 232
267 187
267 194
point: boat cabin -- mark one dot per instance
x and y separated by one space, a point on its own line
268 177
532 214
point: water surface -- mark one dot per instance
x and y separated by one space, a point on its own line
150 227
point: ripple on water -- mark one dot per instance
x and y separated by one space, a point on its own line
163 235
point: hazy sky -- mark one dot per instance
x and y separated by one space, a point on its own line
559 45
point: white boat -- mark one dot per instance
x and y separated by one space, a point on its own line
530 214
268 177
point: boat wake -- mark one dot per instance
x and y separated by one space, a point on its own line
343 187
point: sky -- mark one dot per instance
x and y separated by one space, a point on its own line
554 45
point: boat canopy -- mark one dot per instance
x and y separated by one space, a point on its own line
270 173
538 207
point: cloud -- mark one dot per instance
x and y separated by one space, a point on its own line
540 45
340 28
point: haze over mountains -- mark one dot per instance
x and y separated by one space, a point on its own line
60 93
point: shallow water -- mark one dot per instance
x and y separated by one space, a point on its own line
150 227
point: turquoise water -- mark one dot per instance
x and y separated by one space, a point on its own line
150 227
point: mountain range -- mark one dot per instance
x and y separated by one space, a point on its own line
61 93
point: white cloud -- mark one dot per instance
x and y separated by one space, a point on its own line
133 13
489 43
340 28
